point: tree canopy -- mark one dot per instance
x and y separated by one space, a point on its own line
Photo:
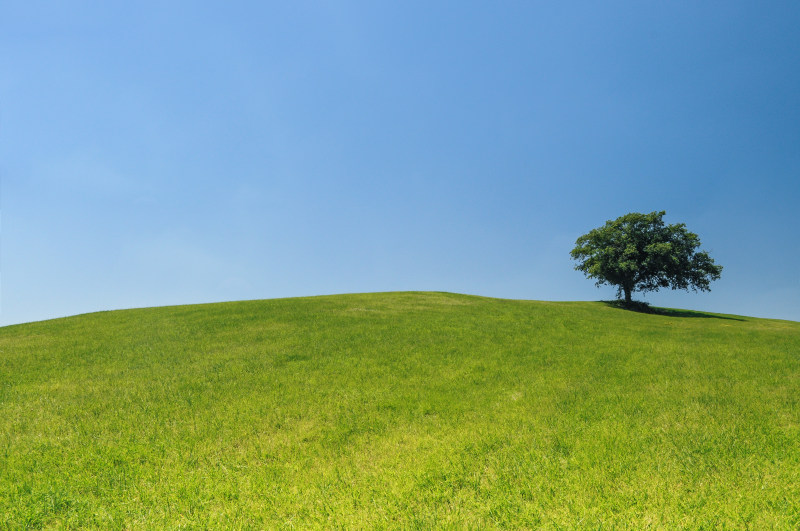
638 252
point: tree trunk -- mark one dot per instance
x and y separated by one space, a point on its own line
627 294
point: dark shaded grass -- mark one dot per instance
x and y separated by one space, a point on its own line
643 307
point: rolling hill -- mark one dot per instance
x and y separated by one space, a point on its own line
400 410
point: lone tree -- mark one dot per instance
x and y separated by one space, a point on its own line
637 252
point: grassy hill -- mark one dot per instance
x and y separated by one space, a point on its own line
400 410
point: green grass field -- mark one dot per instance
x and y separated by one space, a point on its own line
400 410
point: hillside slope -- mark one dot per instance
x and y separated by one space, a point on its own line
400 410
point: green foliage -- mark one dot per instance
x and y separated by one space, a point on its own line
638 252
400 411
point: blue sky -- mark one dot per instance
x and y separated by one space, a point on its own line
156 153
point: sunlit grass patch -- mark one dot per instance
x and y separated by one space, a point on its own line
400 410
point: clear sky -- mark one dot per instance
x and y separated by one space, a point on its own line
156 153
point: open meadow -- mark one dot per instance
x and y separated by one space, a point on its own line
400 410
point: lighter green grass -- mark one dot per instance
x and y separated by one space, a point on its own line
400 410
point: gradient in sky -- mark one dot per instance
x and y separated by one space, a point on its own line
156 153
